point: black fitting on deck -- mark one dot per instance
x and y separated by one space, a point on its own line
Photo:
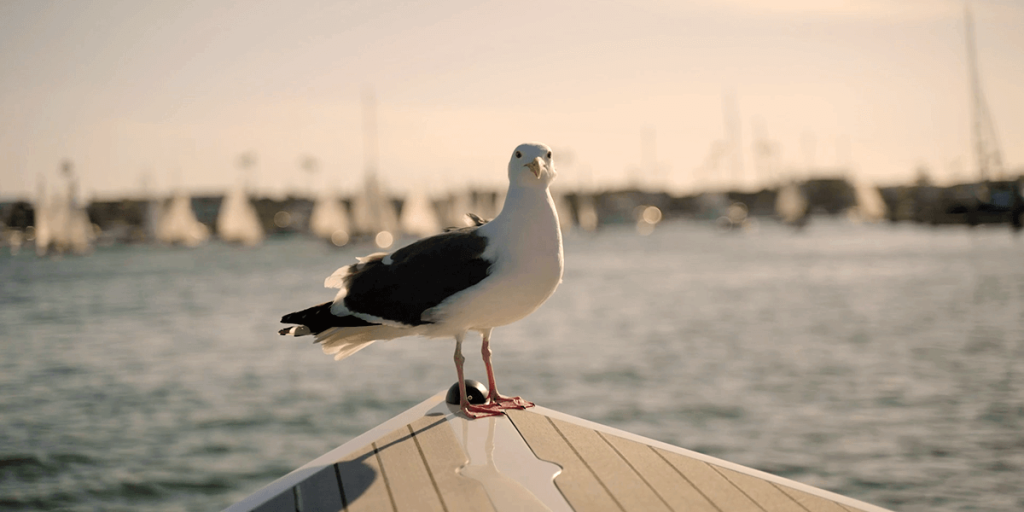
476 393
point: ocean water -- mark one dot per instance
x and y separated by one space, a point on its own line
881 362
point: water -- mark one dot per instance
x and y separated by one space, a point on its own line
881 362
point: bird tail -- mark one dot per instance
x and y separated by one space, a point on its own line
339 336
312 320
342 342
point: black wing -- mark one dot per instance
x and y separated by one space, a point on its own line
419 277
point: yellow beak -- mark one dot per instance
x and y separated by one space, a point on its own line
536 166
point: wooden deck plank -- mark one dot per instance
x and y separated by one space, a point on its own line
677 492
768 496
320 492
408 478
715 487
631 491
284 502
444 456
363 483
811 502
577 483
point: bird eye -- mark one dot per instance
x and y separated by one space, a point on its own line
549 154
518 154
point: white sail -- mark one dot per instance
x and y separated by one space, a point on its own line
455 210
418 215
43 207
178 224
328 218
237 221
790 203
372 211
870 205
62 226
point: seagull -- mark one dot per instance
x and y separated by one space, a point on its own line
474 278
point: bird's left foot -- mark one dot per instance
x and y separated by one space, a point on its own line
508 402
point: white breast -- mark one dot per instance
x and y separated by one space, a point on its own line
525 244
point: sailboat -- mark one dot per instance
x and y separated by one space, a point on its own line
418 215
237 221
62 226
456 208
373 214
870 205
791 205
178 224
329 219
42 208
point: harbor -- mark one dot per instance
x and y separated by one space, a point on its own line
877 361
750 256
132 221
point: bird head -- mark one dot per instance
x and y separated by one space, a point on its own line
532 165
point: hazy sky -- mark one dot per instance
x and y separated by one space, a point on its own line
177 90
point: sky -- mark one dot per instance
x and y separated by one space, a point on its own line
166 95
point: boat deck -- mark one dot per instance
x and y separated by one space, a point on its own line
432 458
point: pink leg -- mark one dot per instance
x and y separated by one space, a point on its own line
493 397
472 411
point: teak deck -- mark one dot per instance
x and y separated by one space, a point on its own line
430 458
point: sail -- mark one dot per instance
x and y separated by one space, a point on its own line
62 226
455 210
43 206
329 217
870 205
791 204
418 215
237 221
372 211
178 224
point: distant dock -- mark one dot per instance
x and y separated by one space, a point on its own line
432 458
131 220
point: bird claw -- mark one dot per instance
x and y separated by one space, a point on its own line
494 406
509 402
481 411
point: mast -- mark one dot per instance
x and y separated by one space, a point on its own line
732 138
986 145
370 150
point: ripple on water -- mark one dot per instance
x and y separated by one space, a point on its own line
881 362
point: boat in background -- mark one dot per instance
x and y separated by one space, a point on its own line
455 208
791 205
237 221
329 219
62 226
177 224
373 214
870 206
418 215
